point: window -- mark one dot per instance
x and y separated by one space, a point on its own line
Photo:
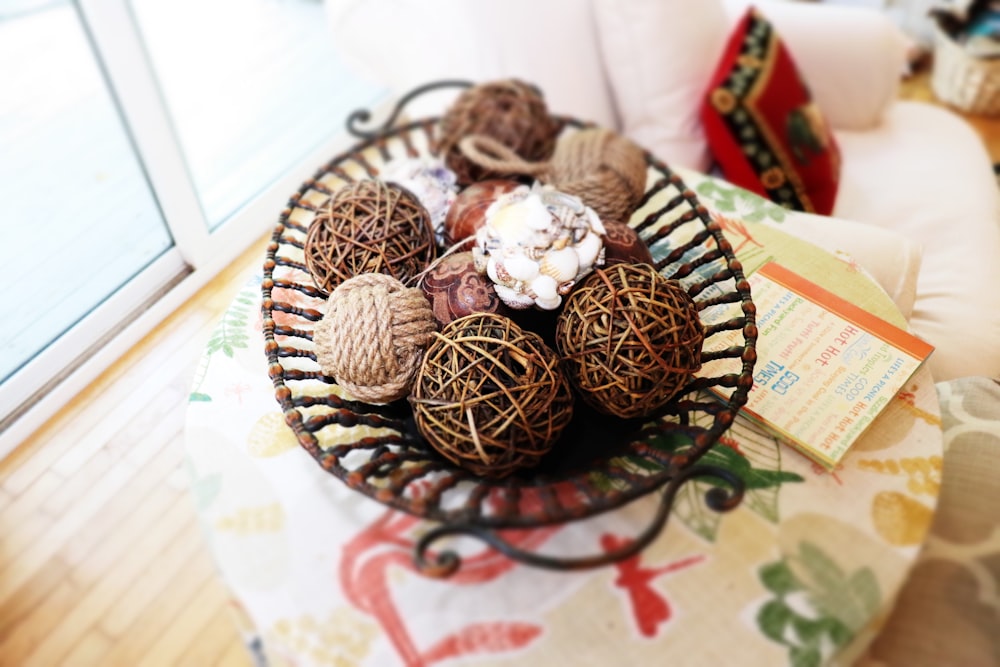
145 142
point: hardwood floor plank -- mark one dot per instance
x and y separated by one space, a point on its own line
62 531
153 581
35 628
154 621
89 651
211 642
90 608
32 593
236 655
182 631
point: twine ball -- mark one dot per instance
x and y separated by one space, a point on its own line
629 339
509 111
369 227
491 397
603 168
372 337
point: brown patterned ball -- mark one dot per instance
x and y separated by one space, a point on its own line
622 244
455 289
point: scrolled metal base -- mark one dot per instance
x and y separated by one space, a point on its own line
444 563
365 115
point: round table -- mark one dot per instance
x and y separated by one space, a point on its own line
804 571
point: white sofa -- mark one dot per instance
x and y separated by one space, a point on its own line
914 171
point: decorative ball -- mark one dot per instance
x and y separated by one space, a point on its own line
622 244
369 227
536 244
509 111
629 339
468 212
433 184
603 168
372 337
455 289
490 397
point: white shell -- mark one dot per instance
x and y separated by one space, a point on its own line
561 265
514 299
536 243
588 250
544 287
521 268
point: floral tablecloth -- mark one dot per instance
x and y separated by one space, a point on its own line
804 572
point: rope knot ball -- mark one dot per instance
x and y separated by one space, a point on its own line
629 339
509 111
372 338
491 397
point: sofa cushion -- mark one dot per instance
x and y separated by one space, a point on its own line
894 177
659 55
763 128
406 43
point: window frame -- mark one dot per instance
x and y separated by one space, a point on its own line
46 384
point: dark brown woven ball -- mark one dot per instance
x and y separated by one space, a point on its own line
629 339
491 397
509 111
369 227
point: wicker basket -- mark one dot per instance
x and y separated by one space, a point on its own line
967 83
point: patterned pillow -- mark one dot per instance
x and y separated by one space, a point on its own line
763 128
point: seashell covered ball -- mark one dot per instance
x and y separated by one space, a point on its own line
369 227
491 397
433 184
629 339
468 212
535 245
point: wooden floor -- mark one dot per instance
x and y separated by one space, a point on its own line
102 560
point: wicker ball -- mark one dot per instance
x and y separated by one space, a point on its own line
490 397
369 227
372 337
509 111
629 339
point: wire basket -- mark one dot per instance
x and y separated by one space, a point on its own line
962 80
599 464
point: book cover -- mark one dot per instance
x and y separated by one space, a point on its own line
825 368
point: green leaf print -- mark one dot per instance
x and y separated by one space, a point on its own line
746 205
229 335
840 603
777 578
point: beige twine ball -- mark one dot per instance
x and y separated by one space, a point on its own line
372 338
603 168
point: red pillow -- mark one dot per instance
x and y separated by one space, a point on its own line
763 128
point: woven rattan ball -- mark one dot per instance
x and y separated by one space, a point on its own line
369 227
509 111
629 339
372 337
491 397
